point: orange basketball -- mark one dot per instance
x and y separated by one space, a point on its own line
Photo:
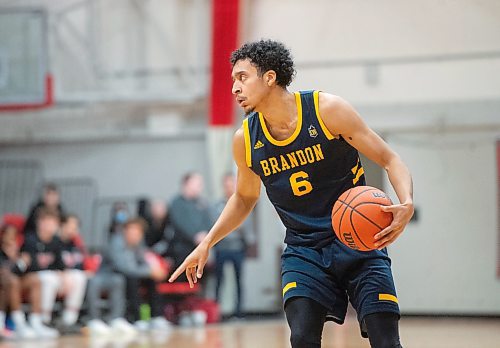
357 217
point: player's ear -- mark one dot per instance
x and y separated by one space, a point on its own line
270 77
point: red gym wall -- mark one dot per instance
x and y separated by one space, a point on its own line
225 23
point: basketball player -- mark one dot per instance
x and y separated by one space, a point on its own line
304 147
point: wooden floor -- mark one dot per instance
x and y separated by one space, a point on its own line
415 333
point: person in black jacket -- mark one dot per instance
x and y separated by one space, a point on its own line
50 200
159 232
45 249
15 281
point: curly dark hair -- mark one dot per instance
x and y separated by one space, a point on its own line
268 55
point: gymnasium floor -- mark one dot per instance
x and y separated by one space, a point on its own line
415 333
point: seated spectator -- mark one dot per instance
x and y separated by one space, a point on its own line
73 254
119 216
107 281
190 218
50 200
128 254
45 250
14 282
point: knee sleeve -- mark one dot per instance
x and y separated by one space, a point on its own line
383 330
306 318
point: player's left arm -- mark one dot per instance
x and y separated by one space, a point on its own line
341 119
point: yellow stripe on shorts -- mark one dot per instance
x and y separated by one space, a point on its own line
387 297
289 286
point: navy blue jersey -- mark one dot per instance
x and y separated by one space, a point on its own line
304 174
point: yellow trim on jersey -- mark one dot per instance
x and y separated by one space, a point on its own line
355 168
329 135
361 171
248 148
289 286
285 142
387 297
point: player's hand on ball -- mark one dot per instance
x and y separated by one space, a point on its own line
193 265
401 215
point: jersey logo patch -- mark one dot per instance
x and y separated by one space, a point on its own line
312 131
258 145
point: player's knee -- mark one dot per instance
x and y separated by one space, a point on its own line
383 330
386 343
301 338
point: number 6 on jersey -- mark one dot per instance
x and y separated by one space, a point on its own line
299 183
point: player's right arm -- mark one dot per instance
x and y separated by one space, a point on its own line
237 208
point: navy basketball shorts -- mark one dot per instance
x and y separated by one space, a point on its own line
336 274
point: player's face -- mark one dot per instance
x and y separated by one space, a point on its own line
248 87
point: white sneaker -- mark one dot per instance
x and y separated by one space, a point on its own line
185 319
24 332
141 325
123 326
43 331
199 318
160 324
97 327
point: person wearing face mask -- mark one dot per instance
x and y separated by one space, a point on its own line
119 216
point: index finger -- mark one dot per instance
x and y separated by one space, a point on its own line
177 272
385 231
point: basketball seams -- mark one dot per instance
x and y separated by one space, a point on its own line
354 230
339 213
348 193
347 205
366 217
340 223
339 200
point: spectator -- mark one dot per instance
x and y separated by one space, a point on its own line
4 293
113 284
45 250
159 232
73 254
189 216
119 216
128 254
15 281
50 200
232 248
